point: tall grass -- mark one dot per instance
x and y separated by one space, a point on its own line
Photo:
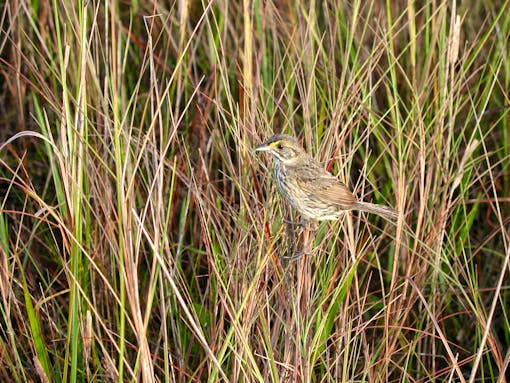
143 240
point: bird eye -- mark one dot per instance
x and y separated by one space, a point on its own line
280 146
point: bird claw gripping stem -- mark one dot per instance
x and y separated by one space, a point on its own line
297 255
305 227
301 224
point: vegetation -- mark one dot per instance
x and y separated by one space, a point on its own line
142 239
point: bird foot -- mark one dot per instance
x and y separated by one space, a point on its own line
301 224
296 256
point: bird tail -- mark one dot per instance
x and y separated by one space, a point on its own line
384 211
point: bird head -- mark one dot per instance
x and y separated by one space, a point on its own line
283 148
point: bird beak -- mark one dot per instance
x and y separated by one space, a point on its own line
263 148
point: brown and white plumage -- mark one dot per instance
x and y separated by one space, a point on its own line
315 193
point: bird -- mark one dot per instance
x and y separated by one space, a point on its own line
312 191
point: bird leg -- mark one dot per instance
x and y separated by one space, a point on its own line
297 255
301 224
307 227
312 224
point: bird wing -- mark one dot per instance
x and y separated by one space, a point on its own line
327 188
335 192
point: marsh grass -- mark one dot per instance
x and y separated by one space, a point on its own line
142 239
